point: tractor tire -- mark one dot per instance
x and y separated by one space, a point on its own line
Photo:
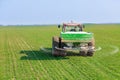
55 43
92 43
82 53
63 53
59 53
90 53
56 52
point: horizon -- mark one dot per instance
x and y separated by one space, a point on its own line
57 24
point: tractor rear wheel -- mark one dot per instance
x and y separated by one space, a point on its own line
57 52
90 45
82 53
63 53
55 43
90 53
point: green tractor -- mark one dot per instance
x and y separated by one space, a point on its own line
73 38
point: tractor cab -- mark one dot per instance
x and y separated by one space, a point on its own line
72 27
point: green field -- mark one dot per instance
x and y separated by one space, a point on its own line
21 57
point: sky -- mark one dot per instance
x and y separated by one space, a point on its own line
29 12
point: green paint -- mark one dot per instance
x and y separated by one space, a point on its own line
76 36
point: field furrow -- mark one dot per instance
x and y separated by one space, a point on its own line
26 64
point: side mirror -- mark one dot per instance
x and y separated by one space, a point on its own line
58 26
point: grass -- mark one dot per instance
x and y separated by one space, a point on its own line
22 59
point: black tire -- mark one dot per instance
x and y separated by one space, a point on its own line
82 53
63 53
92 43
55 43
90 53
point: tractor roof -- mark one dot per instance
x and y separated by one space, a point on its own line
71 24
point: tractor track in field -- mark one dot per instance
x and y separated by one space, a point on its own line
104 67
35 56
13 55
24 69
81 70
76 68
10 71
61 70
20 66
10 67
8 59
82 73
101 68
98 65
23 47
12 50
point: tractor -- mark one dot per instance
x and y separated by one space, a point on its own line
72 37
